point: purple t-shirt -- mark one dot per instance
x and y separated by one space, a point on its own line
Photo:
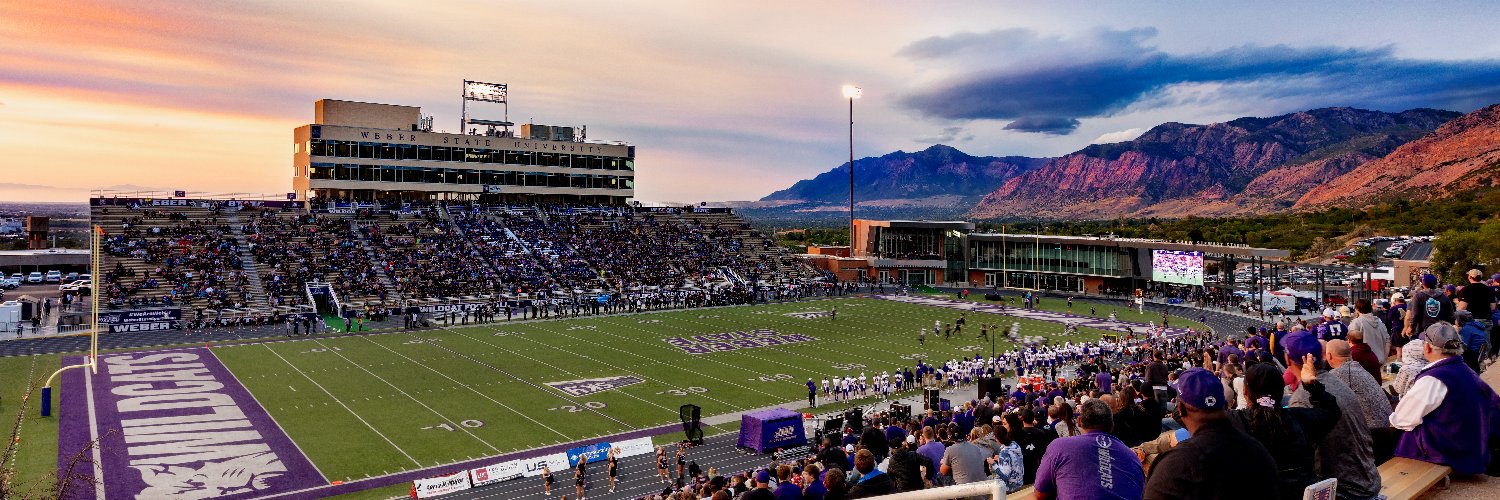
1104 380
933 451
1094 465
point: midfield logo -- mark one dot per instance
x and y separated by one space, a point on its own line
578 388
809 314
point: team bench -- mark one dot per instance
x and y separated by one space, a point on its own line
1404 478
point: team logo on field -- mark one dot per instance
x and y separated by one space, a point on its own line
579 388
809 314
733 341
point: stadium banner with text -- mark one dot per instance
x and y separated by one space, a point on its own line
588 453
184 202
174 424
532 467
140 321
491 474
634 447
441 485
1171 266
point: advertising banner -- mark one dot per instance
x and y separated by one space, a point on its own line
490 474
634 447
532 467
140 321
442 485
588 453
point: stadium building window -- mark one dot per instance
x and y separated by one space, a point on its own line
424 153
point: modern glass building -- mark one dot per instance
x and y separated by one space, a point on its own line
950 253
355 151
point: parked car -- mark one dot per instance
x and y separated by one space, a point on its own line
18 277
9 283
34 277
53 276
74 285
86 276
70 277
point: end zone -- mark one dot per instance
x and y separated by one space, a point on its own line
172 424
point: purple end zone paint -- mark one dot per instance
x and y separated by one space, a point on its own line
175 424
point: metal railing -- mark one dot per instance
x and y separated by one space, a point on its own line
989 489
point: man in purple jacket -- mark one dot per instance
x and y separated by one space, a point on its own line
1449 413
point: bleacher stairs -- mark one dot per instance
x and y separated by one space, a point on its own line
259 299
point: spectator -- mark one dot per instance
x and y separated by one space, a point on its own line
785 488
1413 360
964 461
836 485
1373 329
1372 399
814 489
1347 452
1471 330
933 450
1218 461
1477 297
1287 433
1362 353
1009 466
871 481
906 467
1395 319
1449 413
762 489
1428 305
1095 465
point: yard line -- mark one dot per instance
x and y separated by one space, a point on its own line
555 367
268 414
413 398
483 395
658 361
341 403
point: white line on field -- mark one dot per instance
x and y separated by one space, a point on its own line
346 407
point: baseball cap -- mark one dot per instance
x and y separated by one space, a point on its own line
1476 274
1328 312
1450 288
911 439
1200 389
1443 336
1300 343
1463 316
1430 280
995 419
762 477
1344 312
1400 296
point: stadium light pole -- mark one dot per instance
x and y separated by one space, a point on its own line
851 93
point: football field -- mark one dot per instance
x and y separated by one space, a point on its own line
368 406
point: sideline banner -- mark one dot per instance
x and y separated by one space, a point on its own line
634 447
588 453
442 485
532 467
490 474
140 321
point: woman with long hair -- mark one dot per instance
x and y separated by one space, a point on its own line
1288 433
1061 415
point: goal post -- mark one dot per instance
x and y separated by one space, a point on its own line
91 360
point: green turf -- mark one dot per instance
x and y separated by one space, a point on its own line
370 405
35 460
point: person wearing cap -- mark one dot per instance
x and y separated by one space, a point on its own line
1449 413
1287 433
1473 334
1477 298
1428 306
762 489
1331 328
1217 461
1348 452
1395 319
906 466
1373 330
1074 467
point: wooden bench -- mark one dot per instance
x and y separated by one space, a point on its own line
1404 478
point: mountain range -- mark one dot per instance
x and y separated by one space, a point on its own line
1255 165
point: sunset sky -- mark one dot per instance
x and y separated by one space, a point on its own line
724 100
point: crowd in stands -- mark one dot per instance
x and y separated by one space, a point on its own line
193 263
1262 415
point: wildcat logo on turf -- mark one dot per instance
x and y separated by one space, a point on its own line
578 388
